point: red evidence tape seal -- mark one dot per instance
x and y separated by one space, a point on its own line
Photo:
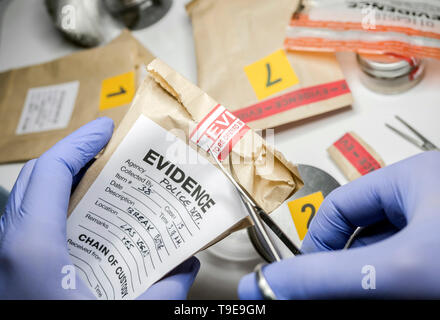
219 131
356 154
293 100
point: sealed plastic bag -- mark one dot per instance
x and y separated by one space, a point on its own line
408 28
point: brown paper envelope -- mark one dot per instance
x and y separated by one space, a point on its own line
233 34
89 67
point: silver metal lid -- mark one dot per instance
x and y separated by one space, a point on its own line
388 70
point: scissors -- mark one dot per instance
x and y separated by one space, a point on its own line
423 143
258 216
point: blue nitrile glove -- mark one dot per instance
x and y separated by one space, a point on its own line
405 263
33 247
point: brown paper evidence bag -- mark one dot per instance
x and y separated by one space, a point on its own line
241 64
41 104
142 189
174 103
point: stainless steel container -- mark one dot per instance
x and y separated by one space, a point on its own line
86 23
390 75
138 14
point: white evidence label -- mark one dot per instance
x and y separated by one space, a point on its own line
48 108
145 214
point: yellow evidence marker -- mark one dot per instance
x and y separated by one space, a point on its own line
303 210
271 74
117 91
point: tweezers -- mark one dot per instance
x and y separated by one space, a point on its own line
423 143
258 216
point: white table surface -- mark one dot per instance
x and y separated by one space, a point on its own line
27 37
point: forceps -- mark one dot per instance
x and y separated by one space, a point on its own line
258 216
423 143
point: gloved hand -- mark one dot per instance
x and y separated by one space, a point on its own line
33 247
405 198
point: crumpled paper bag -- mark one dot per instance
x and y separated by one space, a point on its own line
174 103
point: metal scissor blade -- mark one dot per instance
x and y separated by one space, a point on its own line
256 213
260 229
243 193
251 208
279 233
